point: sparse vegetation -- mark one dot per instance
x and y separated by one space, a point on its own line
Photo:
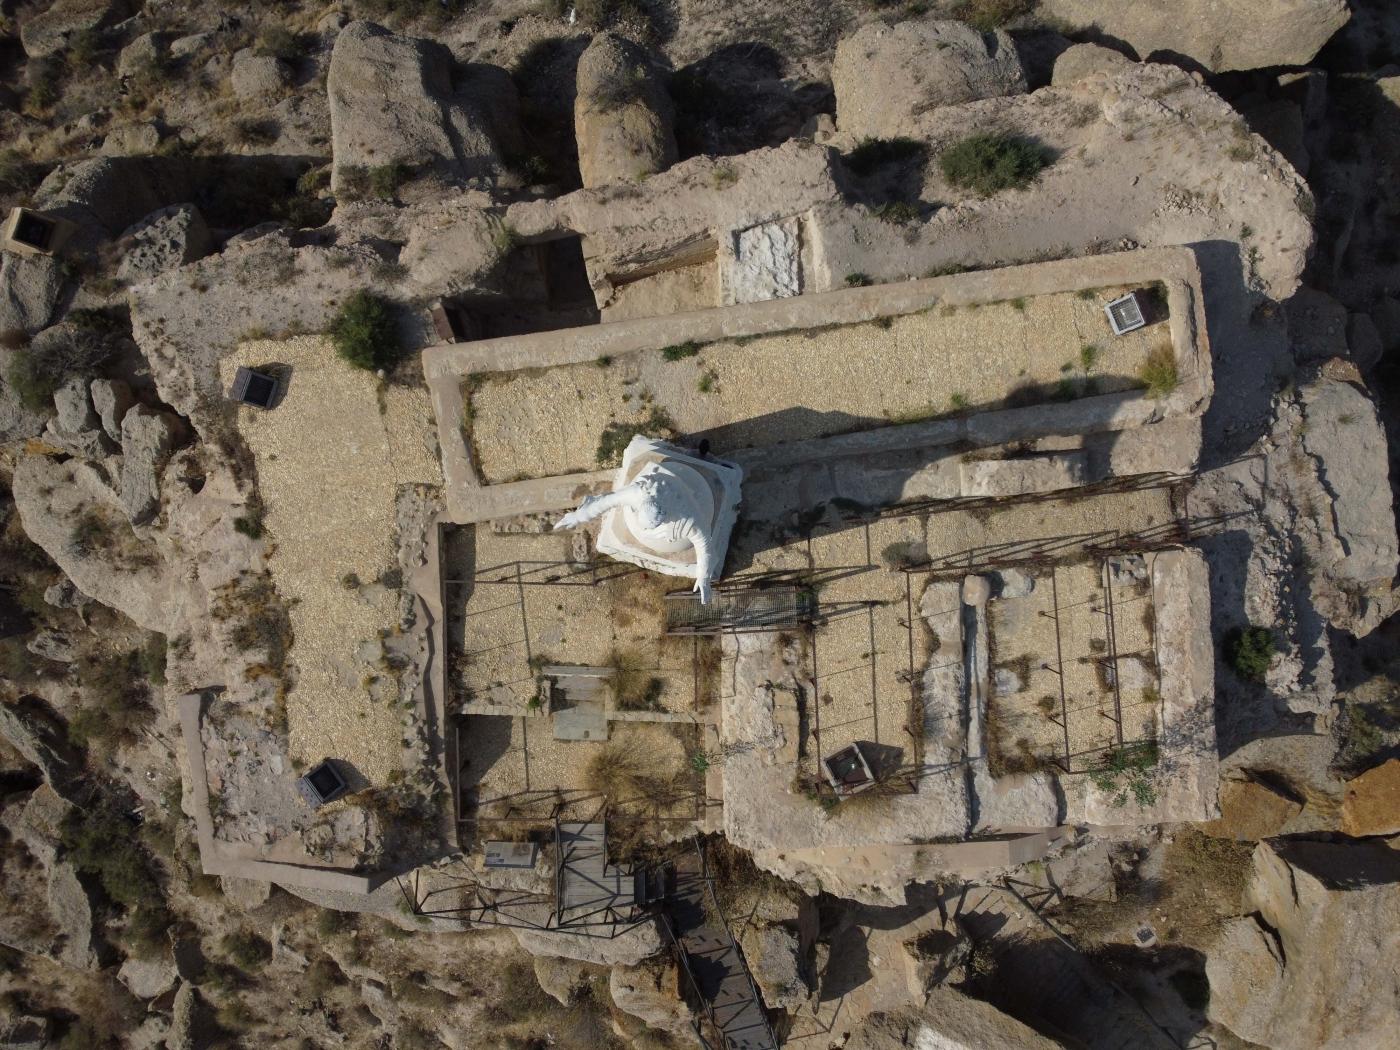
897 213
989 163
680 351
617 436
1158 373
38 370
1126 772
364 334
987 15
858 280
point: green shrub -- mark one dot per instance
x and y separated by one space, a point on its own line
354 182
16 173
151 658
1126 771
1158 373
91 532
100 842
37 371
870 154
115 704
897 213
363 332
1249 651
988 163
858 280
44 86
603 14
680 351
245 949
252 131
386 179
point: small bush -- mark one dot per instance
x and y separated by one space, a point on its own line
354 182
1249 651
100 842
988 163
16 173
364 334
280 42
858 280
1126 771
151 658
680 351
506 239
249 131
1158 373
91 532
897 213
44 86
245 949
870 155
386 179
36 372
603 14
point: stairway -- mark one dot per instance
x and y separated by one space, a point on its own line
721 976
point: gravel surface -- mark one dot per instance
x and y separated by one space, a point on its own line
329 462
808 384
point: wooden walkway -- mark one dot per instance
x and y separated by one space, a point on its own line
717 967
590 889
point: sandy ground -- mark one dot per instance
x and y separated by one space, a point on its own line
329 464
807 384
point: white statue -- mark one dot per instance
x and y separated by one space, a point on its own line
669 511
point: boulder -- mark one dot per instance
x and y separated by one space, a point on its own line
255 75
132 140
63 595
164 240
52 645
1218 35
948 1020
623 115
561 979
1345 437
1084 60
1315 969
70 909
774 958
884 75
1371 805
148 438
1251 810
183 1019
124 571
147 978
144 53
651 992
26 1033
185 46
17 420
392 100
73 411
111 398
54 28
30 288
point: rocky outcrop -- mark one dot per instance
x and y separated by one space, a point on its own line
164 240
622 114
111 398
651 992
1314 970
1251 810
72 511
884 74
148 978
392 100
948 1020
76 427
1371 805
774 958
54 28
29 291
1083 60
628 948
1237 34
1344 437
148 438
36 733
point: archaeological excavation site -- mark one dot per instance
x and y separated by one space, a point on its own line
690 523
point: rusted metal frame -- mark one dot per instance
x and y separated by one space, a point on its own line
1113 652
1060 667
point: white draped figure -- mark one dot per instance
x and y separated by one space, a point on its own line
668 508
671 510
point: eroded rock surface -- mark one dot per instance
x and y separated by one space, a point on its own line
884 74
1238 34
1315 970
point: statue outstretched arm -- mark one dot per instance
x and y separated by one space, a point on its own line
701 542
596 506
